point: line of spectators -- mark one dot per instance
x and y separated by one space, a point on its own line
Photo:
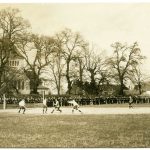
80 100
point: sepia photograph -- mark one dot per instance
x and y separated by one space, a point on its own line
75 75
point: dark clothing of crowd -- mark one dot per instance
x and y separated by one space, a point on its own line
80 100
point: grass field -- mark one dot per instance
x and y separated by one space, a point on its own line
80 131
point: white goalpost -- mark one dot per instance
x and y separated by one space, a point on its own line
43 95
4 102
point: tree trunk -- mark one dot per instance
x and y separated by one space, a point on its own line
58 92
140 88
68 78
58 87
59 74
92 76
0 79
121 92
35 83
1 75
34 86
80 71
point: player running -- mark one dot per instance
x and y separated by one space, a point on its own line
75 106
130 102
56 106
22 106
45 106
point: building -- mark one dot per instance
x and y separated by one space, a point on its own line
21 82
103 90
109 89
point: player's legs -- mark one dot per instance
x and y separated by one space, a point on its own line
19 109
46 109
73 110
77 108
24 109
53 110
58 109
130 105
43 109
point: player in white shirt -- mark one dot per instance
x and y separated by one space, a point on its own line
45 105
130 102
75 106
22 106
56 106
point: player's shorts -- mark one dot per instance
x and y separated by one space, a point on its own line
22 107
75 107
44 106
57 107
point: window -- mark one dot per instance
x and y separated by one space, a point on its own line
14 63
18 63
9 63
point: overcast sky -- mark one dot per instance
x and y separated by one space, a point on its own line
101 24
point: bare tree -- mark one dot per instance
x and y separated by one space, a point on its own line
71 45
57 68
95 66
12 25
42 48
122 61
95 63
81 62
81 68
138 77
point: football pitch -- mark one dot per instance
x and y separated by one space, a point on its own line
95 128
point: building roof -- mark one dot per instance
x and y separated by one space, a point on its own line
16 53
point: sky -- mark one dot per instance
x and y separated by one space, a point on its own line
99 23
